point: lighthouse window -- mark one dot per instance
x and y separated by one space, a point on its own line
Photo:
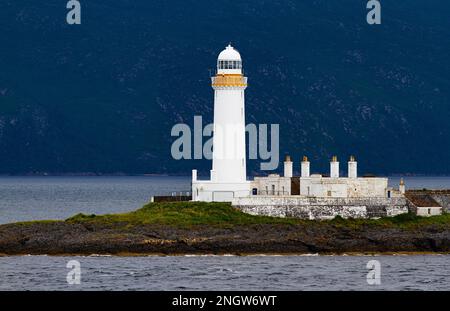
230 64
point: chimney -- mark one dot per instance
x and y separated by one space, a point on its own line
288 167
352 168
305 167
402 187
334 167
194 175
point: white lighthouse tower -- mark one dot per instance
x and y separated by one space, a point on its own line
228 174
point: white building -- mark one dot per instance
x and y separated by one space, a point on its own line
317 185
228 178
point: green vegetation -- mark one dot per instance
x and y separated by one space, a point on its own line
185 214
404 221
28 223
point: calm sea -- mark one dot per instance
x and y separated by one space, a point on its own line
33 198
30 198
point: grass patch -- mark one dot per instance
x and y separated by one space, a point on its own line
411 220
403 221
187 214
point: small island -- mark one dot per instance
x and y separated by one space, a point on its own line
178 228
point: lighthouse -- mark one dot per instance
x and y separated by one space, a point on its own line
228 178
229 86
269 195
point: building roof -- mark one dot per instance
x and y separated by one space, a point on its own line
230 53
421 200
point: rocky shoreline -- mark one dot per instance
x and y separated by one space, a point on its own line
178 228
85 238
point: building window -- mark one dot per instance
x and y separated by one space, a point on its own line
254 191
329 193
429 211
273 189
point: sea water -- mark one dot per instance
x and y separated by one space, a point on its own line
31 198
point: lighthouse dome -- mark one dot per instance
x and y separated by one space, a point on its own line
229 61
229 54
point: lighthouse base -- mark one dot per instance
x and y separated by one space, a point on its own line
209 191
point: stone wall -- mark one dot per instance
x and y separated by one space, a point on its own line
322 208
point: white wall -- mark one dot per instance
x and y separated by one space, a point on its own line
343 187
318 186
429 211
229 160
208 191
265 185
